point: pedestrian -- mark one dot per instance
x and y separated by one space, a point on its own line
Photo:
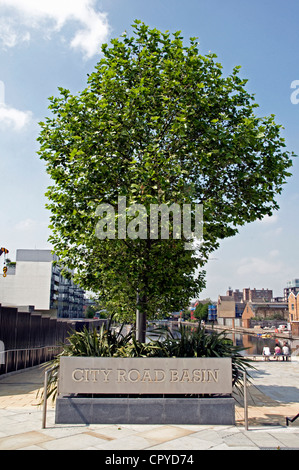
277 351
285 351
266 353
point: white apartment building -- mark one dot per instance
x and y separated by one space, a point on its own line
33 280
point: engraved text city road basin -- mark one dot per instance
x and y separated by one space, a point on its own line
111 375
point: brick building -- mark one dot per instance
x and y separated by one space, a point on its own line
250 295
264 310
293 308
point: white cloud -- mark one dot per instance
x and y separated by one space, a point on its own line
10 35
29 224
11 117
267 219
25 225
272 232
253 265
2 93
49 16
274 253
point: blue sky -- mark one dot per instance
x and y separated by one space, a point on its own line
45 44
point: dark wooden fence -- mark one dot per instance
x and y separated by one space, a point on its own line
28 339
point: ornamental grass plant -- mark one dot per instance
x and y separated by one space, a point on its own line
189 341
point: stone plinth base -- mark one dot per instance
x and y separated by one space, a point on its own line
71 410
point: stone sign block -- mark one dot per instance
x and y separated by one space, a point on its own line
106 375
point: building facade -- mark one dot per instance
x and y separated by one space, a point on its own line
230 307
293 305
291 287
34 279
229 312
264 310
250 295
257 295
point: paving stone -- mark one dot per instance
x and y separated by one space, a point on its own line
18 441
21 421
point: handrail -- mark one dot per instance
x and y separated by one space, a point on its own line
243 374
45 395
245 400
29 349
291 420
30 357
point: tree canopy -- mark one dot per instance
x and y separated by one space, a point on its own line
158 123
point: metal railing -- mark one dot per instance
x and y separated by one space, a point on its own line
245 400
46 378
291 420
13 360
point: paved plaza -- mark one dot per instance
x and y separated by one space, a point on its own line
273 395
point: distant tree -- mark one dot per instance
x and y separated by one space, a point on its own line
201 311
185 314
157 123
90 311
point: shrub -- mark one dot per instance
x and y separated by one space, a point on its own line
190 342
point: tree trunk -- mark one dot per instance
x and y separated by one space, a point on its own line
140 321
140 326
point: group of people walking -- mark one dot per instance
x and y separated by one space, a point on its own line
284 352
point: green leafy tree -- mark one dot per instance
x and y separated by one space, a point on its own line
92 310
201 311
158 124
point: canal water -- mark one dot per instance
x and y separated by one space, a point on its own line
254 344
